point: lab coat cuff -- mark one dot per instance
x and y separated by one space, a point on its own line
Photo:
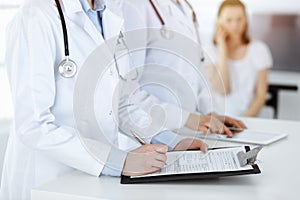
168 138
114 163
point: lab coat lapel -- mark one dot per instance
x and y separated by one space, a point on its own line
112 23
169 9
90 28
186 8
112 20
187 18
75 13
177 19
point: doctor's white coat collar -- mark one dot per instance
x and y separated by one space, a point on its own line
71 6
113 14
168 9
74 6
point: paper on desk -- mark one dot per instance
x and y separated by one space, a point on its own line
186 162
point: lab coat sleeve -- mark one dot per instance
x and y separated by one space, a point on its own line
30 60
168 138
114 163
148 116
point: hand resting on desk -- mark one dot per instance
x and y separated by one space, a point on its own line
214 123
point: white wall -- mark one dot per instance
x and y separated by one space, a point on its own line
4 132
5 114
273 6
289 106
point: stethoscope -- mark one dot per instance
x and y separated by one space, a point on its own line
68 68
168 34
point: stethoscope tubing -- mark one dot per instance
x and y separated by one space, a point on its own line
157 13
64 28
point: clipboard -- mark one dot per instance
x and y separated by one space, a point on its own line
246 158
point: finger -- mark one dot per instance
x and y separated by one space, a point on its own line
157 164
154 169
160 157
204 148
216 126
151 170
162 149
211 125
226 131
202 145
235 123
203 129
157 148
242 124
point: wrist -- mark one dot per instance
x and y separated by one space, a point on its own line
193 121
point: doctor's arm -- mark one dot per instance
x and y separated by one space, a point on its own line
149 116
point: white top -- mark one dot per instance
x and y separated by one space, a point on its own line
243 76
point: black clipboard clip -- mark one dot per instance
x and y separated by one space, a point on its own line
249 157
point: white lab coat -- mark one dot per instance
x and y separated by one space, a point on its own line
186 81
43 143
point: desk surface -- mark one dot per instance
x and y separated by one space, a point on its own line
280 165
284 78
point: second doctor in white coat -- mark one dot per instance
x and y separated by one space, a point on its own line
178 18
43 143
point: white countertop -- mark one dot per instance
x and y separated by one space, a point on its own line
284 78
280 165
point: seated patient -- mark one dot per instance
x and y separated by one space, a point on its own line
240 62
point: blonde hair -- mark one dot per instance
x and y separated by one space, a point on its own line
227 3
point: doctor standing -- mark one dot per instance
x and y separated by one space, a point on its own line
43 143
178 17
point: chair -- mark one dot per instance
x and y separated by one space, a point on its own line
273 100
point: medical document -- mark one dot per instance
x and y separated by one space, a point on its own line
187 162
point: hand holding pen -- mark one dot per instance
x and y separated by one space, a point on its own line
146 159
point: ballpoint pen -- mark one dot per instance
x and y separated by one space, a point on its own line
138 138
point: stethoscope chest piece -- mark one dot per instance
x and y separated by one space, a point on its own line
166 33
67 68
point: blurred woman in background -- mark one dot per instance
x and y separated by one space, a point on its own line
241 62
